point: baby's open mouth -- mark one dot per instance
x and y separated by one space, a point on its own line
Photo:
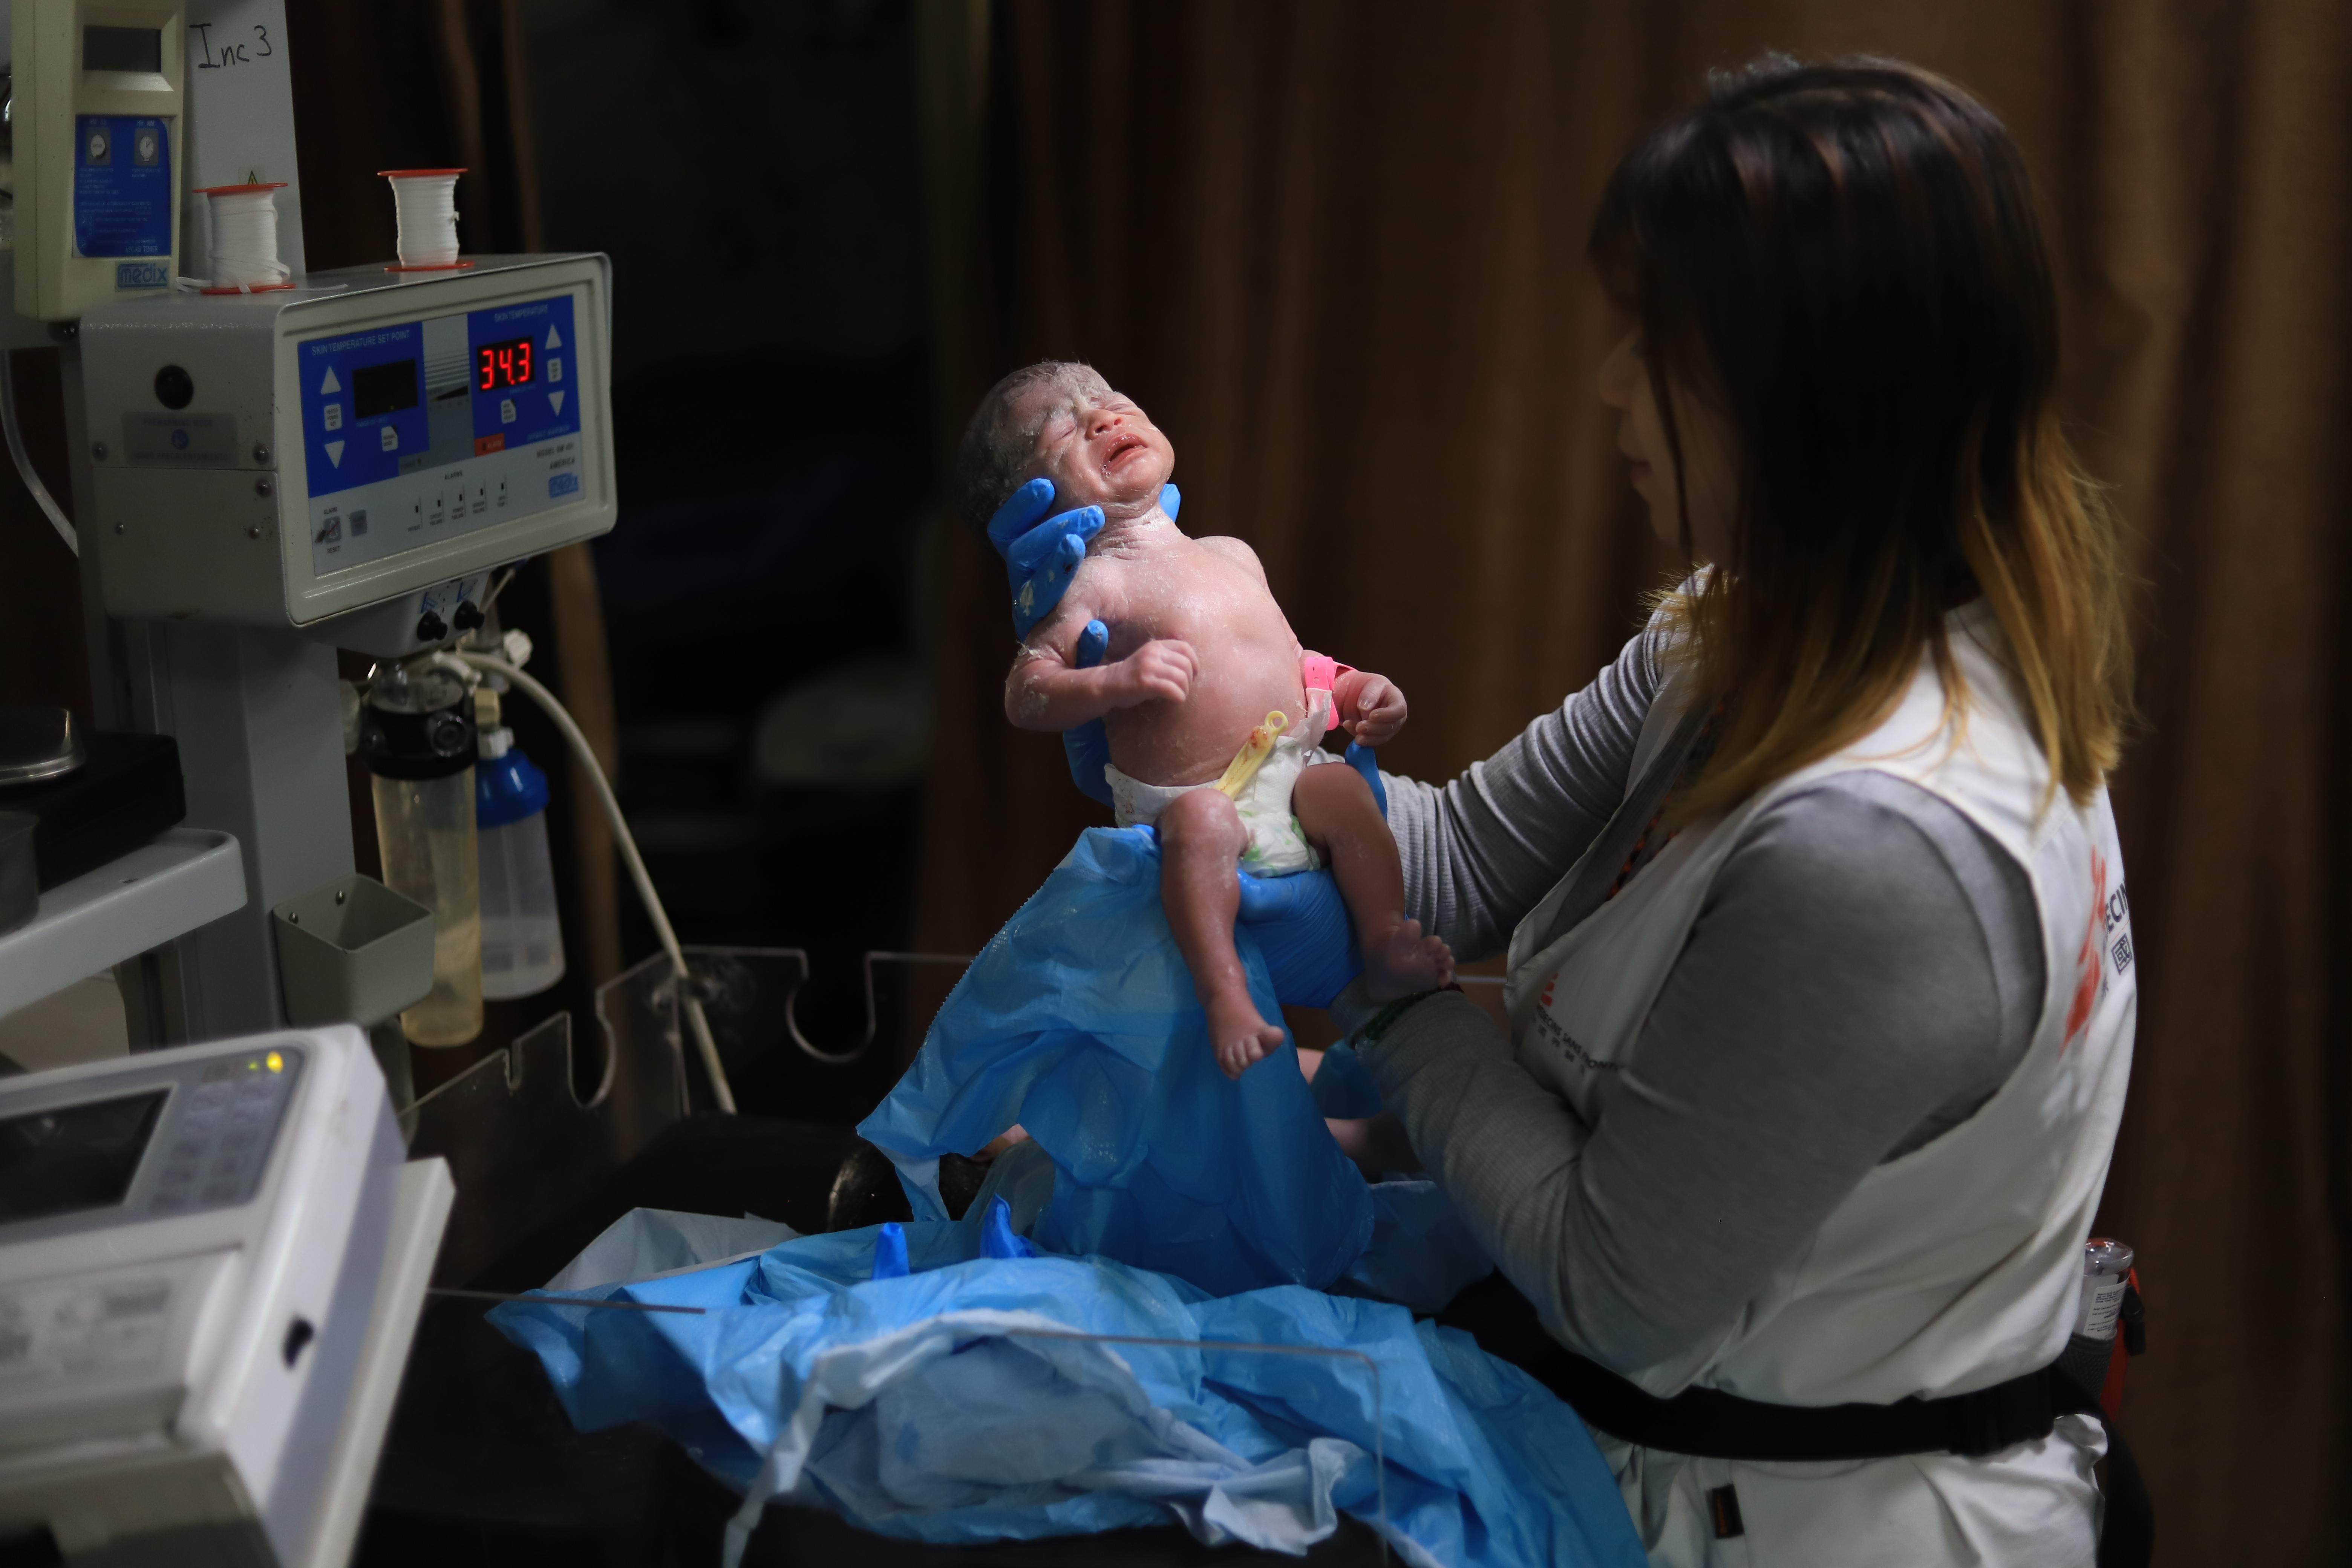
1120 446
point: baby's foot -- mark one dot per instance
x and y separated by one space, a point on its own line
1242 1038
1402 962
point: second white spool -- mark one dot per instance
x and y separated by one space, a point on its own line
425 201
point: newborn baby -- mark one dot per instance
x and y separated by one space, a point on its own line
1215 713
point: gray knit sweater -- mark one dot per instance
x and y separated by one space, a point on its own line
1865 972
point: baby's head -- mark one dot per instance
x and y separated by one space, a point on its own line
1063 422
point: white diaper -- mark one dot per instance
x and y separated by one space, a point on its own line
1277 845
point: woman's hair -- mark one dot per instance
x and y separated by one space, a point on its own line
1843 262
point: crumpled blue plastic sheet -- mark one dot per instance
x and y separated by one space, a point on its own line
956 1403
1078 1022
1420 1254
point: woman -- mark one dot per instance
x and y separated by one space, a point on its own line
1820 996
1821 993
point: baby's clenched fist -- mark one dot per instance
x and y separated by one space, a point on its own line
1161 670
1374 711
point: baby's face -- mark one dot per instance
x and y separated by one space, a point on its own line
1098 448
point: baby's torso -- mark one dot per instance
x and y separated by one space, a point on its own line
1248 657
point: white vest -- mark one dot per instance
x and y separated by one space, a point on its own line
1951 1269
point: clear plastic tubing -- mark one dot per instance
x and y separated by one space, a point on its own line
417 735
523 940
425 201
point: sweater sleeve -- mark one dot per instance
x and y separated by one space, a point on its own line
1865 972
1478 852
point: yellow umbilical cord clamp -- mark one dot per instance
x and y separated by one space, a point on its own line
1251 756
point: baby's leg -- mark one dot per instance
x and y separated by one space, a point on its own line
1344 823
1200 844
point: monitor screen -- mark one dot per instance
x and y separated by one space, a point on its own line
75 1157
383 388
122 49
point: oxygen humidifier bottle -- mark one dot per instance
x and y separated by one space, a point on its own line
417 736
522 942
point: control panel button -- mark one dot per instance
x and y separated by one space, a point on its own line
174 387
332 415
430 627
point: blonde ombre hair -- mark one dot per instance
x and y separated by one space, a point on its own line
1843 262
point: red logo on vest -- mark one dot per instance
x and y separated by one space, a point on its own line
2090 964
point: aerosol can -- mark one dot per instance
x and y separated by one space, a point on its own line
2110 1323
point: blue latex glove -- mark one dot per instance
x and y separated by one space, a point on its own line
1089 746
1300 923
1041 555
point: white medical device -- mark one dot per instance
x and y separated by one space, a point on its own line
190 1250
281 459
96 118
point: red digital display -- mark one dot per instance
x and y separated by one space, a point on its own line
502 364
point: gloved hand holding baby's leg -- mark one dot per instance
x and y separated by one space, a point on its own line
1201 839
1336 810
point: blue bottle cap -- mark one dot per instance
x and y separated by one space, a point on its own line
507 789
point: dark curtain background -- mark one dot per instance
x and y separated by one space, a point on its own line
1335 249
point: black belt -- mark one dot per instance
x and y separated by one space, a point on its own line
1710 1424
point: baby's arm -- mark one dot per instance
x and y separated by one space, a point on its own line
1047 690
1370 707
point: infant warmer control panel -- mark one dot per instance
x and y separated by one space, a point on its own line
434 428
287 458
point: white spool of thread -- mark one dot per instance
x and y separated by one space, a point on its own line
244 238
425 202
